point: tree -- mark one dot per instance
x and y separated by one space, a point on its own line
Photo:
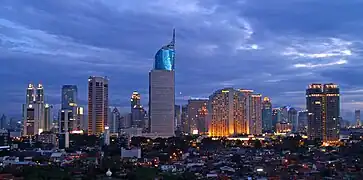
257 144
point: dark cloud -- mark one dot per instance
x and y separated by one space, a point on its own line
273 47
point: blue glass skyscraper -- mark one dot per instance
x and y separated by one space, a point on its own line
165 57
162 92
266 115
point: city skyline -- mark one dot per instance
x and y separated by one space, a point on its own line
274 64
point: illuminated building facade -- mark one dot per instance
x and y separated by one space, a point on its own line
196 123
266 115
357 118
114 125
256 114
283 127
34 111
97 104
162 92
323 105
137 111
226 113
248 108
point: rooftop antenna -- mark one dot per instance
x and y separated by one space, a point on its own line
172 43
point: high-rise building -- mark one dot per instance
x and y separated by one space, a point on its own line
69 97
284 114
302 121
226 111
276 117
3 122
162 92
97 104
70 103
65 127
357 118
256 114
194 119
266 115
323 105
34 111
177 117
83 125
248 109
184 119
292 119
135 99
48 117
137 111
114 125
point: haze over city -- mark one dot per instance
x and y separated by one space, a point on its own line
276 48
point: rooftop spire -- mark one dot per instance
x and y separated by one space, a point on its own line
172 43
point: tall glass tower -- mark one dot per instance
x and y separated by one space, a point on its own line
162 92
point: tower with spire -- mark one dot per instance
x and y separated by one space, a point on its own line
162 91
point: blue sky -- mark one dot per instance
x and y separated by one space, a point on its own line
274 47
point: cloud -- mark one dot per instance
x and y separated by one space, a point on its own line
273 47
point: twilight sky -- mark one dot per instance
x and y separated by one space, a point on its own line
273 47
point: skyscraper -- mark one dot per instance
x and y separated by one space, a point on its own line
137 111
276 117
184 119
70 103
357 118
162 92
97 104
226 111
34 111
248 108
292 119
266 114
256 114
177 117
323 105
195 122
114 125
302 121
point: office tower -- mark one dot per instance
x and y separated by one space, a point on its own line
106 136
34 111
323 105
83 125
162 92
302 121
284 114
65 127
48 117
115 121
256 114
177 117
292 119
135 99
70 103
184 119
69 97
194 107
137 111
357 118
3 122
226 111
266 115
97 104
276 117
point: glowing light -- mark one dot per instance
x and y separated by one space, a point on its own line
195 131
